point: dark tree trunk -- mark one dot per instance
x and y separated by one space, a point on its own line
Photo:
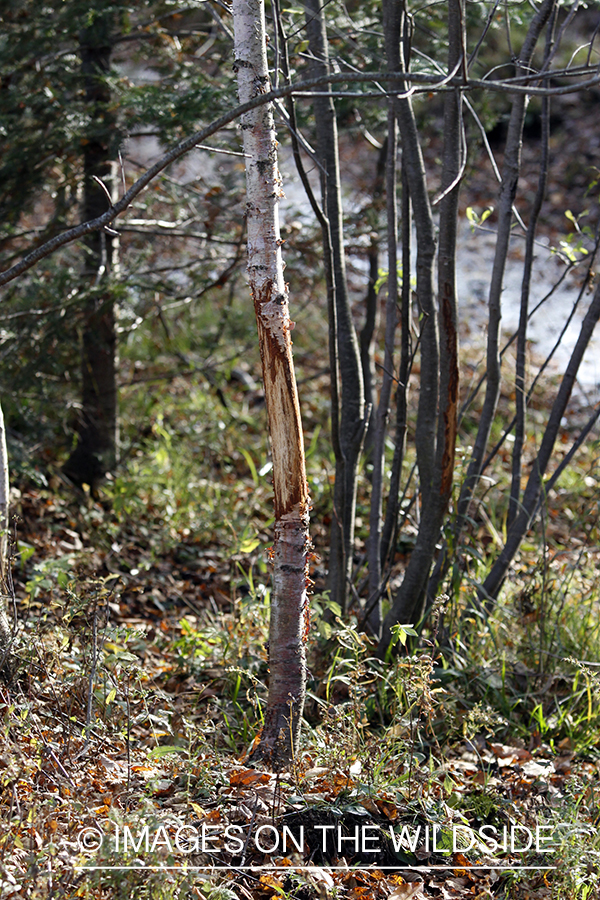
379 418
437 412
96 449
371 325
520 385
488 591
389 532
347 379
508 190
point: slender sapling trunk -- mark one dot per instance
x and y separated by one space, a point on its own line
95 453
347 379
289 602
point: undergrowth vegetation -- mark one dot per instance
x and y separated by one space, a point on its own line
462 764
140 685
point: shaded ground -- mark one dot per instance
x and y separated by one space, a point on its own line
124 725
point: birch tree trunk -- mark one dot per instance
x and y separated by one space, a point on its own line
289 603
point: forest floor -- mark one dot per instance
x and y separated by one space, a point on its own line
138 694
139 686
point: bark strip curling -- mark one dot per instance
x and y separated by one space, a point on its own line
289 602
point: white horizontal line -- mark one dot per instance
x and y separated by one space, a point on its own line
295 868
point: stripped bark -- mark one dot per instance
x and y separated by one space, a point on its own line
289 603
326 238
347 379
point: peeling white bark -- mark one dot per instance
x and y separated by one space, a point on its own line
289 603
263 181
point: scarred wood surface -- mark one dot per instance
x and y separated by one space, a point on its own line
289 603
